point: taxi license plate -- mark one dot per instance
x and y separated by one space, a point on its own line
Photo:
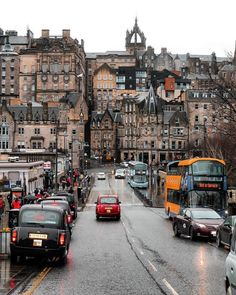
213 233
38 236
37 243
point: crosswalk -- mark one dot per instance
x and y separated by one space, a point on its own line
122 205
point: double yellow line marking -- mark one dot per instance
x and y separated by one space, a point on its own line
36 282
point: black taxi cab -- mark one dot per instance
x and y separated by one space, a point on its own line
42 230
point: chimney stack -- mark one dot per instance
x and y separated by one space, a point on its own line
66 33
45 33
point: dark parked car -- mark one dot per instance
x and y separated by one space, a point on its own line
71 199
225 231
61 204
197 222
108 206
41 231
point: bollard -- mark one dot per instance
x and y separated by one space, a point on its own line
5 243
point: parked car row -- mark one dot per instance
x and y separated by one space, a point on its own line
44 229
204 222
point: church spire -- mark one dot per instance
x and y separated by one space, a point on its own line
132 39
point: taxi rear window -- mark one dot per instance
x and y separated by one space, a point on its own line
40 218
108 200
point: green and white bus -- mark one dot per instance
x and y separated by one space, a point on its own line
137 175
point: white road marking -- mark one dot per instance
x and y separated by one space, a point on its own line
168 285
153 267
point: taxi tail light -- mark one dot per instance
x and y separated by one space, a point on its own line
14 236
62 239
69 218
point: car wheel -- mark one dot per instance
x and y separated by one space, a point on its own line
97 217
229 291
192 234
13 257
176 230
218 240
63 259
22 258
118 217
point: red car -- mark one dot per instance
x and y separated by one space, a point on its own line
108 206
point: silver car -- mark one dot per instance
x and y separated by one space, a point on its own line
230 267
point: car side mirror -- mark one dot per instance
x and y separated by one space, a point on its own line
119 202
227 224
95 202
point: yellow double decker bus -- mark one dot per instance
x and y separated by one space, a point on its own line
196 182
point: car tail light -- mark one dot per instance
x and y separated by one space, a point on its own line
14 236
62 239
69 218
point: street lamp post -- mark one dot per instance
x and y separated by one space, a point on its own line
56 165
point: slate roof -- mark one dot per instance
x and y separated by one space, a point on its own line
36 110
107 53
70 98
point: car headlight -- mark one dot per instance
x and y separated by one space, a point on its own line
200 225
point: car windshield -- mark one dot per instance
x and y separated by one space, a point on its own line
40 218
59 204
108 200
205 214
120 171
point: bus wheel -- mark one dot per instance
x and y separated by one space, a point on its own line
176 230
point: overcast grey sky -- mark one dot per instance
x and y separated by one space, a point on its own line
197 27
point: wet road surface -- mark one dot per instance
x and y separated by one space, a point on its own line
136 255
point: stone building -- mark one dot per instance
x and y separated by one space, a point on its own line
37 131
9 72
104 87
203 114
51 67
152 130
104 135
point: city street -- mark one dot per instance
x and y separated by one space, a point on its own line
136 255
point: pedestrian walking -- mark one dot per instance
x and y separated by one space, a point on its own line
158 180
9 199
2 206
16 204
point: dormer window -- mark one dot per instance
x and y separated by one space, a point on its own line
37 117
21 117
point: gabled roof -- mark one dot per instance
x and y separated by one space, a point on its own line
98 117
152 104
169 116
105 66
